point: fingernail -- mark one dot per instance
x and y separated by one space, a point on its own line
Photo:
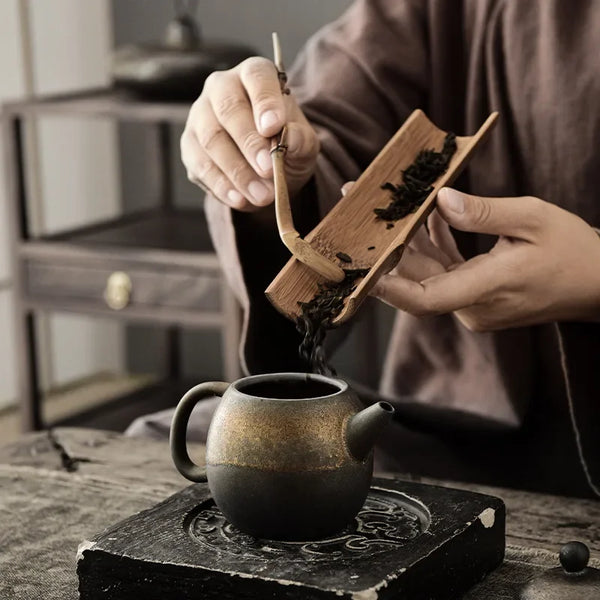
269 119
452 200
235 197
259 192
263 160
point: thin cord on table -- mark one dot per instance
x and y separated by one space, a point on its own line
563 363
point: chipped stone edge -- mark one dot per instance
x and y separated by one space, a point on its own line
85 545
487 517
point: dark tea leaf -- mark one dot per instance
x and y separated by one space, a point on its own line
317 315
417 181
344 257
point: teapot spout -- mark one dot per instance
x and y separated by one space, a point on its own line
364 428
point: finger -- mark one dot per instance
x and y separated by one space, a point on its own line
399 292
232 110
441 236
347 187
216 143
417 266
471 283
422 243
303 147
513 217
203 172
259 78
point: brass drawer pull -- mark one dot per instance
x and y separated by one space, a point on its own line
117 293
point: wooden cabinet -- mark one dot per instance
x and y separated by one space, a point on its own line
155 266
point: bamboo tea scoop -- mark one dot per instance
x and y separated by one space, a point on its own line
352 229
301 249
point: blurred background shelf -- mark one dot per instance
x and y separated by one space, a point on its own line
111 103
154 266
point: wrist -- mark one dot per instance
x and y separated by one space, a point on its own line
590 310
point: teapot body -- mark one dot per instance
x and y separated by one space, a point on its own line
281 467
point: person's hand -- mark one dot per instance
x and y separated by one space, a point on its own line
544 267
225 146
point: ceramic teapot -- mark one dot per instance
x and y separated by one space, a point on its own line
289 456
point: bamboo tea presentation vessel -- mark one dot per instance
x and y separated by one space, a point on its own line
352 228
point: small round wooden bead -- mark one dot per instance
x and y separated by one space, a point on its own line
574 557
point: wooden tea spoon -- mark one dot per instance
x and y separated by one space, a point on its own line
300 248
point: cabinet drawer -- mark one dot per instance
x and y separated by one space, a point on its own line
122 285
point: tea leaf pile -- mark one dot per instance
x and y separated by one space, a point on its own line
417 180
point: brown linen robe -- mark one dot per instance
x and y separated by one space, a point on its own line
516 408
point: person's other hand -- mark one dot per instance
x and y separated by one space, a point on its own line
225 146
544 267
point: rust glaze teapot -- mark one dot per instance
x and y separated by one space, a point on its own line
289 456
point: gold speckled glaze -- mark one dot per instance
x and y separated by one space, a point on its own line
282 435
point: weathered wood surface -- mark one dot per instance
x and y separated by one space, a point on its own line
108 456
59 488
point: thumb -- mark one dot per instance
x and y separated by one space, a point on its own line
512 217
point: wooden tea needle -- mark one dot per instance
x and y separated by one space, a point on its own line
300 248
278 60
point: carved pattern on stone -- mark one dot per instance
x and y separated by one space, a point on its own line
387 521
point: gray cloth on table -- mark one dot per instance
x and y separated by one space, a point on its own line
157 425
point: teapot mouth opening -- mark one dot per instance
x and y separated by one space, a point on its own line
290 386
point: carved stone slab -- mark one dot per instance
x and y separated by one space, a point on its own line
410 541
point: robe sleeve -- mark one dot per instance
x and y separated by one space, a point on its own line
357 80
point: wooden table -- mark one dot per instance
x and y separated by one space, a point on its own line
62 486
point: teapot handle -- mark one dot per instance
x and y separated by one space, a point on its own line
177 437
